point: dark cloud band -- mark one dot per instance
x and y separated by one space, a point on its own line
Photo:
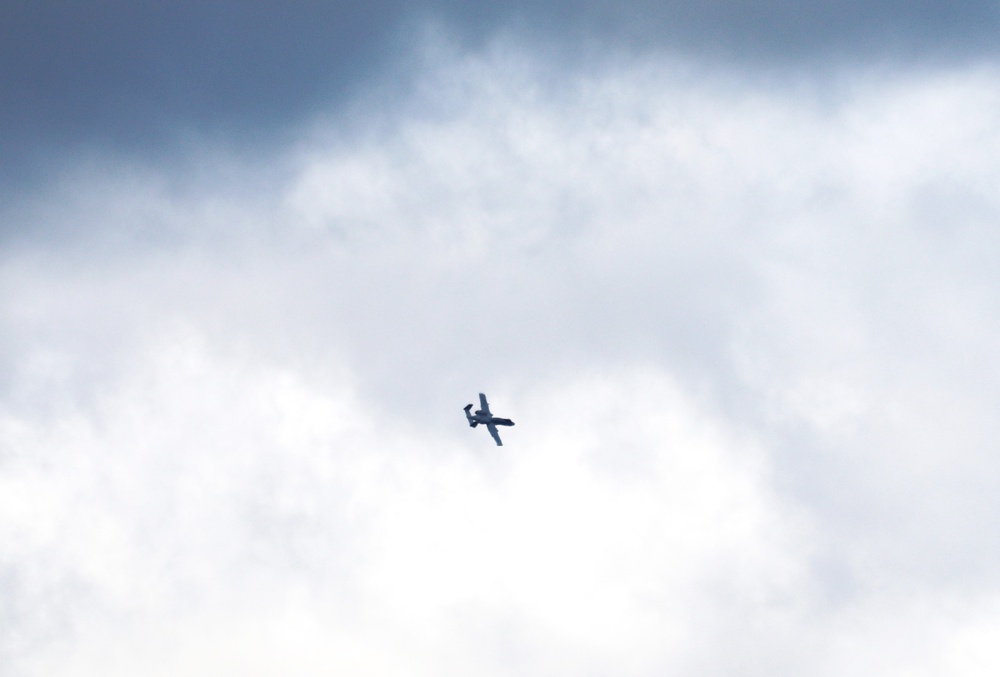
132 75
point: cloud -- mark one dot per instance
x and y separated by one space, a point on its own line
144 80
211 494
744 330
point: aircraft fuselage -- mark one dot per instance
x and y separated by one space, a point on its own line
480 417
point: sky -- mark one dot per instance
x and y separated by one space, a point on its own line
729 267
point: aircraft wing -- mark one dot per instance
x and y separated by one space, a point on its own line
484 406
493 431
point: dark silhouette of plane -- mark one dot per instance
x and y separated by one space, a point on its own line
484 416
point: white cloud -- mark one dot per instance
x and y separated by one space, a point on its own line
745 332
208 492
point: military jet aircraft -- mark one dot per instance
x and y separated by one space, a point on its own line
484 416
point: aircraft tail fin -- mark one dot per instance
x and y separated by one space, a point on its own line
472 422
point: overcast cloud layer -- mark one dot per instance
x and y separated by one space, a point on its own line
746 327
148 78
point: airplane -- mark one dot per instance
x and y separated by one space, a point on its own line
484 416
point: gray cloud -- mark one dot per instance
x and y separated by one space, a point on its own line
144 79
